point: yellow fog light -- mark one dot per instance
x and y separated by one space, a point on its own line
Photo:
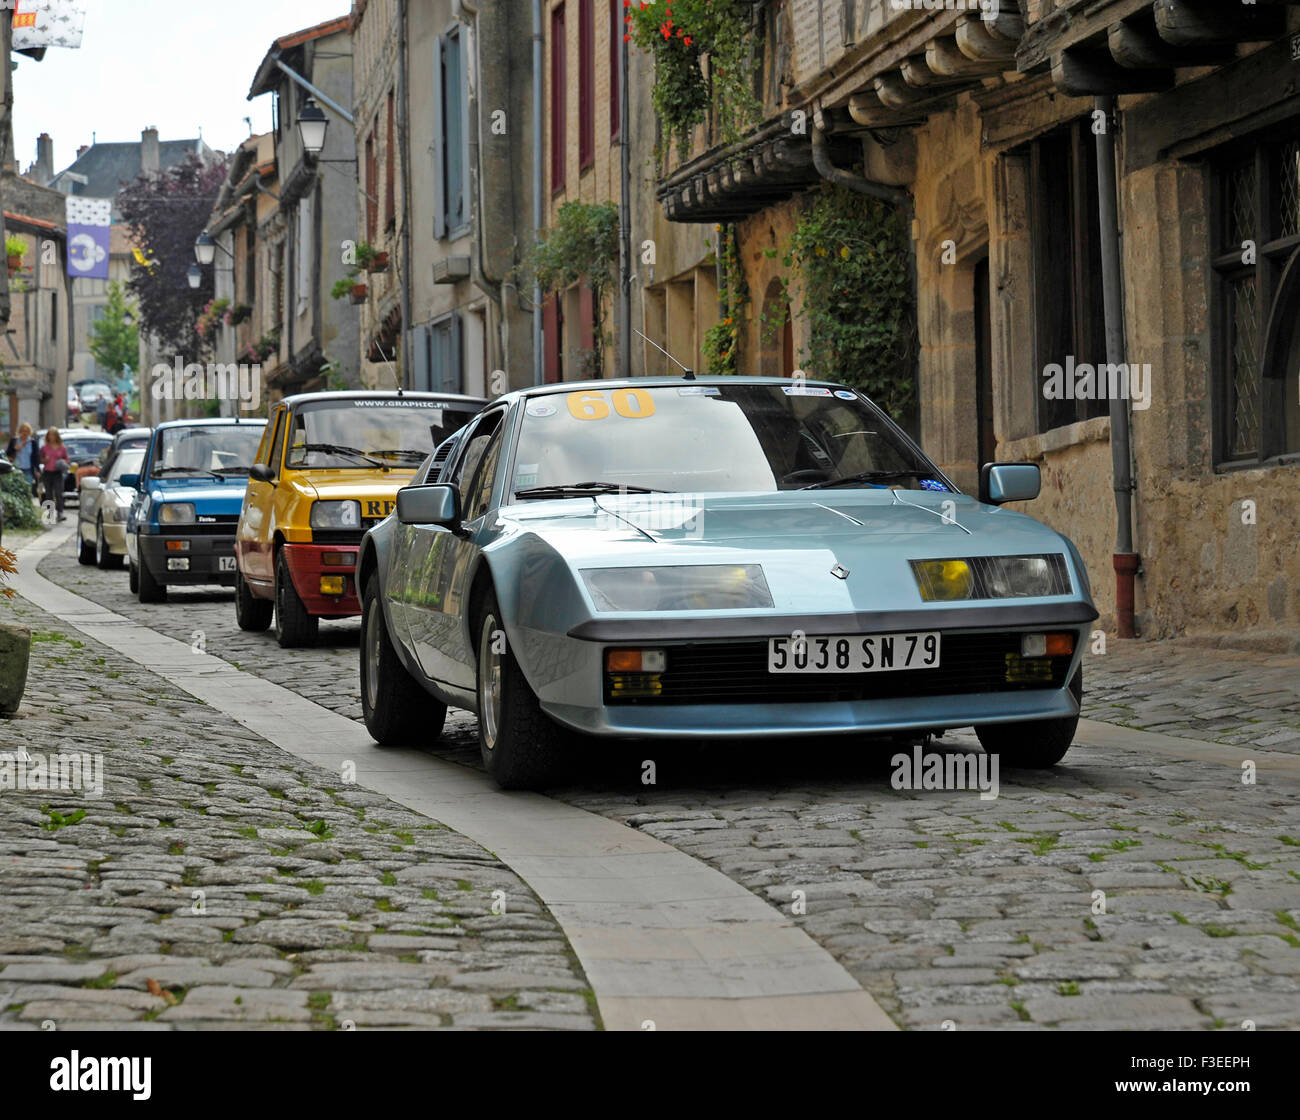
943 581
332 585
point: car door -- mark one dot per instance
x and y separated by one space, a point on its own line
442 560
256 525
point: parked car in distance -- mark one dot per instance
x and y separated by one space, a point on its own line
329 467
190 488
103 512
84 447
91 393
121 440
74 405
726 558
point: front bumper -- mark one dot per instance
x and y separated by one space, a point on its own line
204 558
307 567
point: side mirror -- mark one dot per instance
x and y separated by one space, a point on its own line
130 481
429 505
262 473
5 466
91 482
1009 482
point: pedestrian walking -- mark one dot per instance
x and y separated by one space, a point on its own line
101 411
23 452
54 465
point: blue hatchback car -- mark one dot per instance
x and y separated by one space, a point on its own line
190 490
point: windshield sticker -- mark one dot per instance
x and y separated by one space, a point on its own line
526 475
845 395
699 391
541 409
401 403
632 404
804 391
937 487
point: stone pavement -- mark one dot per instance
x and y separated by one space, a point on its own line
1125 889
221 883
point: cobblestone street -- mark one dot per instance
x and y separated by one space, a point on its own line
1131 888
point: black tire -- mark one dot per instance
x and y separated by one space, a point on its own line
149 590
251 613
105 558
1036 745
397 710
85 550
133 578
521 747
293 625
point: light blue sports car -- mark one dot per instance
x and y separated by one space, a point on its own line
721 558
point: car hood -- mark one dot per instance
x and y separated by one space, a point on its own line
797 537
359 484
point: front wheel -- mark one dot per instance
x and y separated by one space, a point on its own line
149 590
105 557
251 613
520 745
293 625
133 578
396 709
1035 745
85 549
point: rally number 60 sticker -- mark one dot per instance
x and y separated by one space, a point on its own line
634 404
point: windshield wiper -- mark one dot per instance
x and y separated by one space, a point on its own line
583 489
864 476
186 470
408 453
341 449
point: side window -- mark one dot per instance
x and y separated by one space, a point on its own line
474 444
479 495
277 444
264 447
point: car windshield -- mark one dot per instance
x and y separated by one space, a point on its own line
370 432
84 448
713 438
95 389
226 449
128 462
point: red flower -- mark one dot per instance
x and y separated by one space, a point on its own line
687 40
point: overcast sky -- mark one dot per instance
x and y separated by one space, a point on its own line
183 65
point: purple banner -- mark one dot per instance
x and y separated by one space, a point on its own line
89 225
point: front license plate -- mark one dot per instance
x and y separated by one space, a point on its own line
853 653
225 563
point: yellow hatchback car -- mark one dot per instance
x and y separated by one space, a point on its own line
328 468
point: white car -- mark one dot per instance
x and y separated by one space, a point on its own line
105 506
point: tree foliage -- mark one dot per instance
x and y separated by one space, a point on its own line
115 343
166 212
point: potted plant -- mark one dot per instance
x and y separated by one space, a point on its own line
15 250
238 313
358 293
378 262
15 641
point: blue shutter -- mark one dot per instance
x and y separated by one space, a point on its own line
445 349
419 350
454 131
439 196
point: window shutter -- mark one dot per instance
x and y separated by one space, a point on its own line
454 379
454 107
439 141
418 340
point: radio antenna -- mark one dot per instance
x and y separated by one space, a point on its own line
687 372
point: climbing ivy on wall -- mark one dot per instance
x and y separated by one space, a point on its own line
851 259
680 33
722 340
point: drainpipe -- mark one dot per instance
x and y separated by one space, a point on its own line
403 129
1126 561
498 291
539 185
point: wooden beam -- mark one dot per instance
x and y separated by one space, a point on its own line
1084 70
944 58
894 92
1207 22
1136 44
976 42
